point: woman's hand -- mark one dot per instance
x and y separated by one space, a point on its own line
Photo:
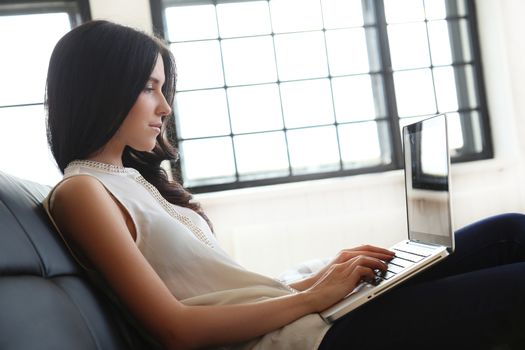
365 250
342 257
340 278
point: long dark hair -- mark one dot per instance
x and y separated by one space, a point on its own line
95 75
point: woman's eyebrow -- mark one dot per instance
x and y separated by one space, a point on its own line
155 80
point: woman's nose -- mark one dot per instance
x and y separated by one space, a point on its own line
164 108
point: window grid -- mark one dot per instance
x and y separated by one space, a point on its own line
77 11
28 106
278 82
227 102
385 74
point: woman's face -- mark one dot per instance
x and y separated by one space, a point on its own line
143 122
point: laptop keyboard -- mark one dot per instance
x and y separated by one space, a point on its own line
403 259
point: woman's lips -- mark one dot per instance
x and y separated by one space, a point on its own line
156 126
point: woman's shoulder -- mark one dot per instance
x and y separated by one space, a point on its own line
80 187
77 196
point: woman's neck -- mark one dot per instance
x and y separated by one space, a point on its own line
109 154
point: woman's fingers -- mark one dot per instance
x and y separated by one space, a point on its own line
375 255
367 261
372 249
345 255
362 273
358 269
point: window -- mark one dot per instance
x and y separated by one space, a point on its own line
32 28
288 90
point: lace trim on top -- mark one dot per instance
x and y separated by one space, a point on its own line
171 210
169 207
108 168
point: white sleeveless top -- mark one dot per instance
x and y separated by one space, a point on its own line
181 248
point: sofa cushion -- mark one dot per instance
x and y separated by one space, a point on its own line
46 300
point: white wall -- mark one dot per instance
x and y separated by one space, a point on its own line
270 228
135 13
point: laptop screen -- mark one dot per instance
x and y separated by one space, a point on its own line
427 164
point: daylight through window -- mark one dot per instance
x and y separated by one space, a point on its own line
34 28
286 90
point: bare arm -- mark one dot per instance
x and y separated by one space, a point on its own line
91 219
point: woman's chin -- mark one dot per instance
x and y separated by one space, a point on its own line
144 148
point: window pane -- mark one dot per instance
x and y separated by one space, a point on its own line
295 15
455 134
301 56
446 93
243 19
440 34
342 13
261 155
460 144
207 161
354 99
23 142
347 51
408 45
249 60
202 113
191 22
25 55
439 42
255 108
198 65
404 11
414 93
313 150
435 9
360 144
307 103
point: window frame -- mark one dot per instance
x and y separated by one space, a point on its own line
78 11
388 90
26 7
29 7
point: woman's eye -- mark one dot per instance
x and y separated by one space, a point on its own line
148 89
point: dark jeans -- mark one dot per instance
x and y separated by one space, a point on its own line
475 299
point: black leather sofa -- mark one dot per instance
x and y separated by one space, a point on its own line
46 300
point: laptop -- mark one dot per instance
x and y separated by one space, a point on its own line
430 233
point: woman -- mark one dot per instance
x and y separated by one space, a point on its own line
109 92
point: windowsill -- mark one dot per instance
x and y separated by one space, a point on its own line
389 178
